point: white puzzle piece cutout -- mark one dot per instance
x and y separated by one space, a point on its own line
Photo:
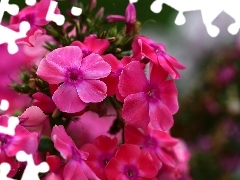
4 170
31 171
209 10
59 19
10 129
76 11
7 35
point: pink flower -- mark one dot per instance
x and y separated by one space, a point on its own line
146 101
76 167
129 18
113 78
36 16
156 53
78 75
10 145
157 143
32 119
100 152
44 102
92 45
131 163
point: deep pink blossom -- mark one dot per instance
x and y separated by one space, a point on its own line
44 102
92 44
131 163
157 143
153 101
78 75
100 152
113 78
75 167
10 145
32 119
156 53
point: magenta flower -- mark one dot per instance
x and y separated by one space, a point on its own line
157 143
153 101
44 102
10 145
100 153
156 53
92 44
79 77
129 18
131 163
76 167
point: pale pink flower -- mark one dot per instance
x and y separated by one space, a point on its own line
157 143
78 75
130 162
75 167
100 153
92 44
153 101
32 119
156 53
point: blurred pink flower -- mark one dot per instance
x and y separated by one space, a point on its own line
75 167
100 153
156 53
153 101
130 162
79 76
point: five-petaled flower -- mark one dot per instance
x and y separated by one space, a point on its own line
79 77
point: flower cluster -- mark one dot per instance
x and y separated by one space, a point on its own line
100 101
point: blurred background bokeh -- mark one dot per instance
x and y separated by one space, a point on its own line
209 89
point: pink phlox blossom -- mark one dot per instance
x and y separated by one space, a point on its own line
36 16
157 143
92 44
131 163
10 145
156 53
32 119
112 79
55 169
100 153
129 18
44 102
75 167
153 100
79 77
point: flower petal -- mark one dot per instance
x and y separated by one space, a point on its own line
96 45
94 67
73 104
158 75
160 115
66 57
132 80
51 72
128 153
91 90
136 110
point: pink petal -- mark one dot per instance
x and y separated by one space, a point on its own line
73 104
91 90
146 166
105 143
128 154
95 45
160 115
73 171
148 51
169 95
158 75
51 72
94 67
136 110
133 135
166 158
132 80
113 62
112 83
113 169
62 142
174 62
66 57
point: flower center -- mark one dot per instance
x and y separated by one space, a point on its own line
150 142
4 140
73 75
131 172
